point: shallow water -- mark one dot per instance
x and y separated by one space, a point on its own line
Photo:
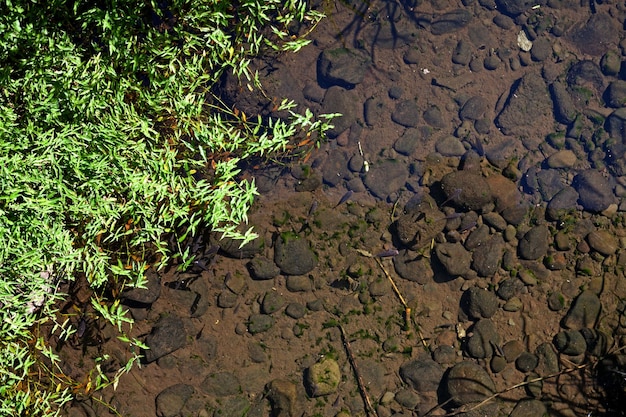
488 168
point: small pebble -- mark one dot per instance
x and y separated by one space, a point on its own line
498 363
562 159
513 305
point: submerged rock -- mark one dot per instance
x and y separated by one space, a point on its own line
423 374
468 382
322 378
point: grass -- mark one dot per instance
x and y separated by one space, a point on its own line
112 147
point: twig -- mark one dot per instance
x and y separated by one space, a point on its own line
408 318
366 399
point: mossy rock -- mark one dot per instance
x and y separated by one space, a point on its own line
323 378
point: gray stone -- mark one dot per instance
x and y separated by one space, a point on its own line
468 382
227 299
534 387
611 63
486 258
294 255
616 94
419 225
563 104
407 398
474 108
237 282
221 384
233 248
335 167
509 288
534 244
422 374
295 310
529 408
548 359
492 62
167 336
484 336
146 295
386 177
434 117
313 92
615 122
405 114
322 378
526 362
585 81
562 204
272 302
283 396
373 110
527 104
549 182
562 159
356 162
483 125
342 66
262 268
512 350
596 35
450 146
467 190
556 301
514 304
497 364
412 267
256 352
541 50
259 323
395 92
603 242
570 342
479 303
494 220
299 283
233 406
478 237
584 311
445 354
462 54
454 257
339 100
504 22
598 341
411 139
171 400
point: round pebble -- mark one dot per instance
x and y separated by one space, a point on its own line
295 310
512 350
526 362
562 159
497 364
603 242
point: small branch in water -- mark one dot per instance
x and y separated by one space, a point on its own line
366 399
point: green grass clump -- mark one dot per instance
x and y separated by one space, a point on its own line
106 115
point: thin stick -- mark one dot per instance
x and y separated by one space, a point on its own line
366 399
408 317
393 284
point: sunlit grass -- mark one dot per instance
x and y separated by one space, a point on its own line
105 116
